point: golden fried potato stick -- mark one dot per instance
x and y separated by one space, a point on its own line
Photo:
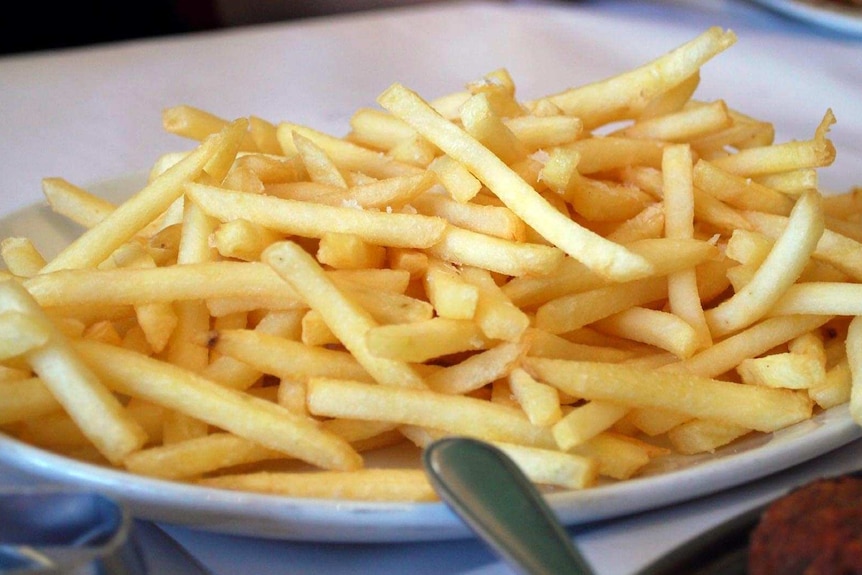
285 358
196 124
363 485
134 286
466 247
815 153
825 298
682 126
782 267
761 408
19 334
836 249
450 413
75 203
196 456
314 220
346 155
181 390
25 399
624 96
21 257
678 200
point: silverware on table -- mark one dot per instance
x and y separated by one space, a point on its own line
502 506
48 530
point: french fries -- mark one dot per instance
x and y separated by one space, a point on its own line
591 280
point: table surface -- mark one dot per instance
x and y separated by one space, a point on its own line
94 113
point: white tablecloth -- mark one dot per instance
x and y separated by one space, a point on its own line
91 114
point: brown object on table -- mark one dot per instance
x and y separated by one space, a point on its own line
815 529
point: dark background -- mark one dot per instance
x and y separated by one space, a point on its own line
29 26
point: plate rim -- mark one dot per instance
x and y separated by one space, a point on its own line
828 15
322 520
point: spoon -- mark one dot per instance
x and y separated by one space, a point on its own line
501 505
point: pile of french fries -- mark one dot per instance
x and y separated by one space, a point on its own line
591 281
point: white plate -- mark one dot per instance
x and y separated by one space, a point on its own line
830 14
678 478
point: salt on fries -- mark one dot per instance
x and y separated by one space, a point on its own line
590 280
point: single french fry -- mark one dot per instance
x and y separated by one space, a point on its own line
662 329
792 182
181 390
75 203
458 181
541 133
550 467
482 122
678 200
835 389
451 295
346 156
740 192
314 220
586 421
20 334
465 247
477 370
318 164
539 401
362 485
197 124
627 94
420 341
347 251
681 126
450 413
21 257
243 240
495 314
196 456
782 267
285 358
672 100
787 370
619 457
25 399
694 395
704 436
570 312
544 344
491 220
826 298
757 161
135 286
375 128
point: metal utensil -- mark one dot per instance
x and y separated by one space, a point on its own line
56 531
502 506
